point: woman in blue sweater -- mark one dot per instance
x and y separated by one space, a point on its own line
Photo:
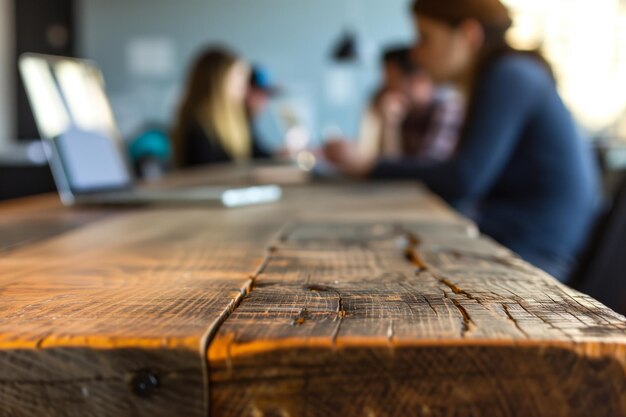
522 170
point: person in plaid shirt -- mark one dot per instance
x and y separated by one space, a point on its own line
409 116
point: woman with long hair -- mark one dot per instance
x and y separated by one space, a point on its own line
212 125
522 169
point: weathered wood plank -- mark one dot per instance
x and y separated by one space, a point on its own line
396 319
370 300
84 316
81 313
30 220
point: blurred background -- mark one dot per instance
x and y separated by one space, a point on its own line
324 55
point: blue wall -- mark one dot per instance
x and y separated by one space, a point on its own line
293 38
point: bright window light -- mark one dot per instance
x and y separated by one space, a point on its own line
45 98
586 43
85 97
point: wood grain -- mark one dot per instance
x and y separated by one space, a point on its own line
83 314
420 319
30 220
353 299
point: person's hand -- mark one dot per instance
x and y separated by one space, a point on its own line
347 158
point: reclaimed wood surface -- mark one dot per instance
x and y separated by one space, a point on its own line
89 318
410 320
33 219
364 300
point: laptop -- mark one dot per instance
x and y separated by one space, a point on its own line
86 154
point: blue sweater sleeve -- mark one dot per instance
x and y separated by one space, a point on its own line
503 102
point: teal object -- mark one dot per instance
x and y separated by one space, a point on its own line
154 144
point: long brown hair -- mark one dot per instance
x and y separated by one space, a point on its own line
206 103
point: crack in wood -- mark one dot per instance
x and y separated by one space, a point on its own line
459 291
514 321
341 314
413 256
217 324
262 266
301 318
468 324
455 289
42 340
472 318
430 304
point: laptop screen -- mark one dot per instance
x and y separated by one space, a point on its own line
73 114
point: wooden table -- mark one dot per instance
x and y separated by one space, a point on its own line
342 300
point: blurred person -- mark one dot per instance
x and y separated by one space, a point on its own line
261 91
409 115
522 171
265 125
212 125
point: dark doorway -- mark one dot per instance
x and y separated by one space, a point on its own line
46 27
